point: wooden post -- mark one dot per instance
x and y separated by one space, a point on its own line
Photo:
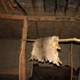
22 56
71 61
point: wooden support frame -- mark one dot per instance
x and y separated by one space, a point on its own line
22 60
22 56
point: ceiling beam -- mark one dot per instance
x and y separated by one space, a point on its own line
12 17
40 18
53 18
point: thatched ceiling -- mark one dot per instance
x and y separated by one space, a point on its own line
40 7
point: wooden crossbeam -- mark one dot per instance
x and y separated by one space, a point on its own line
41 18
53 18
11 17
60 40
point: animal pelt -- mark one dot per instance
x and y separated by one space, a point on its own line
46 49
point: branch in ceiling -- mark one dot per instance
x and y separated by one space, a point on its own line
22 9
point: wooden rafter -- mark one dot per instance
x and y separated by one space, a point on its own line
21 8
3 2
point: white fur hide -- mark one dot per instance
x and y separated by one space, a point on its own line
45 49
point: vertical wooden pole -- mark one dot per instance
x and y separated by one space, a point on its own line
71 61
22 56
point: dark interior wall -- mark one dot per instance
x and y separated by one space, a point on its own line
65 54
9 53
76 56
63 29
28 55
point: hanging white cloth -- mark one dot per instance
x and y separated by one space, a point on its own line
45 49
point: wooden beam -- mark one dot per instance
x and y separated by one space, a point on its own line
12 17
71 60
22 56
40 18
60 40
53 18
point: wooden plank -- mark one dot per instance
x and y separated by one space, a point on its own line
22 56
